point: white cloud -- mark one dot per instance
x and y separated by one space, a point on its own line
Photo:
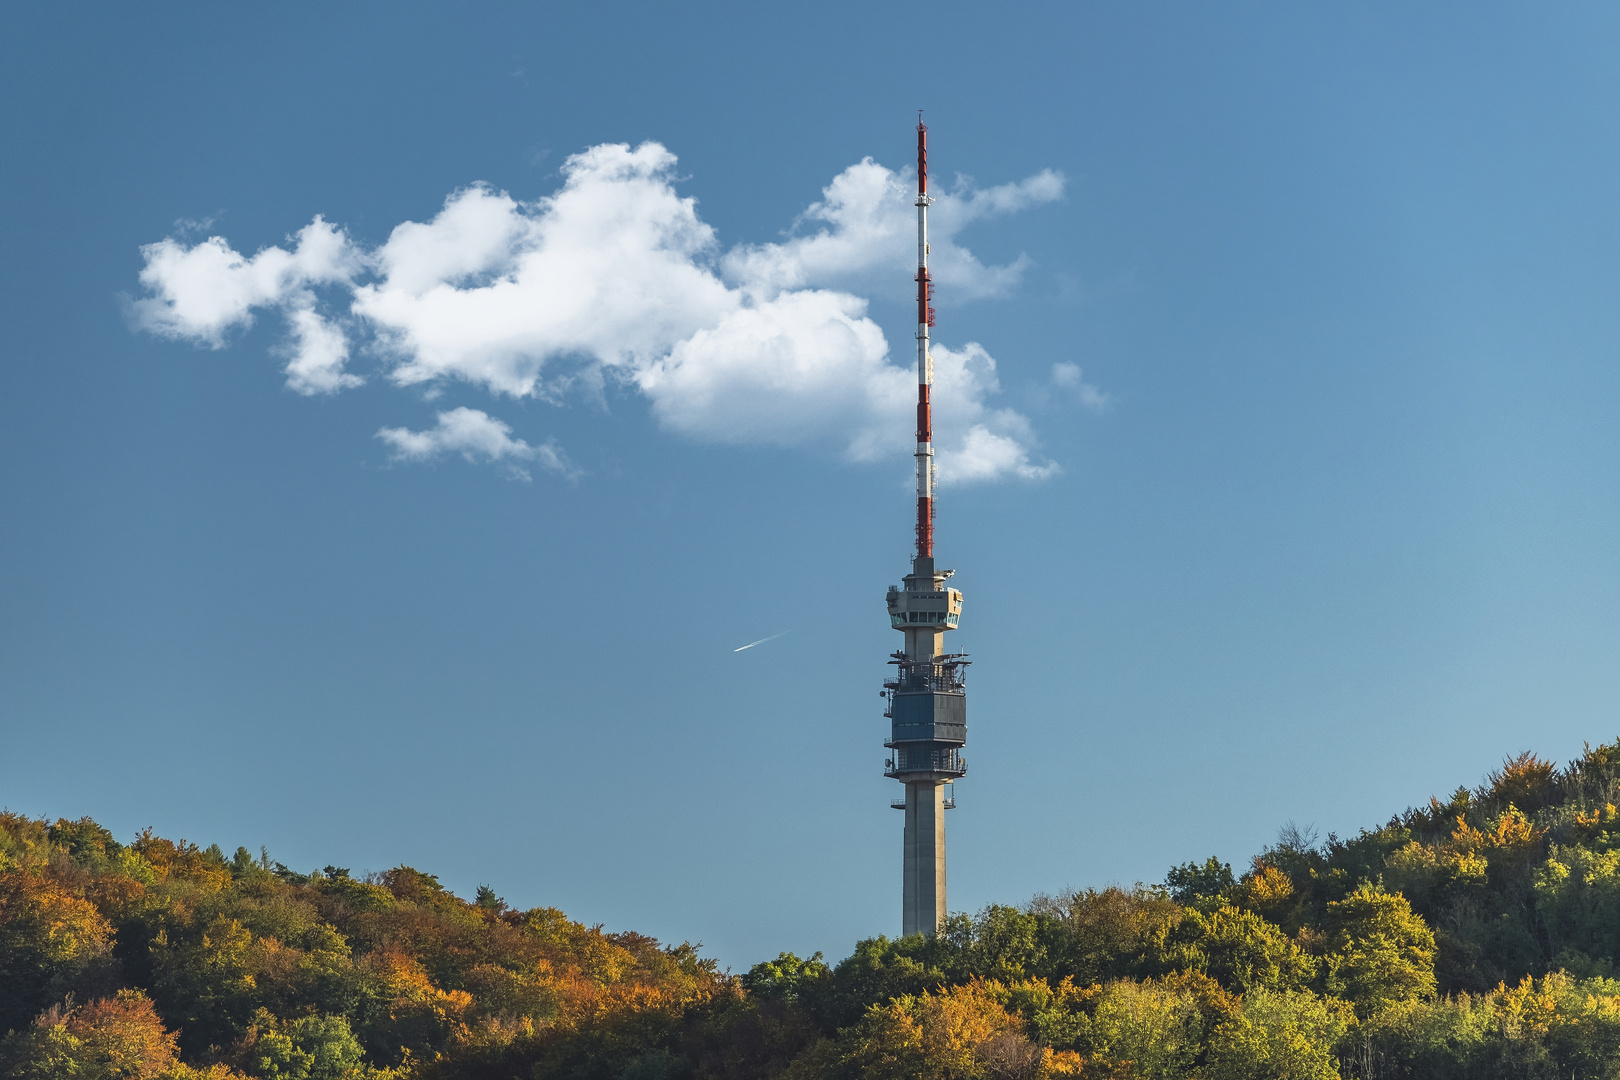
475 435
202 291
987 455
319 350
608 270
615 278
1070 379
986 443
867 220
805 367
192 226
972 203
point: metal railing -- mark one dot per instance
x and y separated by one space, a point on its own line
907 761
948 802
946 673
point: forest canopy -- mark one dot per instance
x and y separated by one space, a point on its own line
1475 936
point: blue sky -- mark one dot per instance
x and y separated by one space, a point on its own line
1296 498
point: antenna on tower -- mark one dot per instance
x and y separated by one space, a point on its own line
925 362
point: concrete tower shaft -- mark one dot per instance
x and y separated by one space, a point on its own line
926 695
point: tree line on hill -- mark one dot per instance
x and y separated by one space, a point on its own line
1470 938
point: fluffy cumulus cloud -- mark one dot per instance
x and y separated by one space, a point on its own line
991 443
475 435
863 232
317 352
200 293
616 279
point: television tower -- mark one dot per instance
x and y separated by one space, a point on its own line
926 699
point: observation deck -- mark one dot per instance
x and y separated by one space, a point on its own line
923 607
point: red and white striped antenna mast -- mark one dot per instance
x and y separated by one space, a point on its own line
925 362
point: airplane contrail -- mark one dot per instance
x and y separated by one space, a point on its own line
761 641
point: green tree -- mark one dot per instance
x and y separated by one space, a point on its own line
787 977
486 900
1379 951
879 970
1206 884
1578 898
309 1048
1152 1029
1240 950
1098 935
1279 1035
1003 943
1442 1039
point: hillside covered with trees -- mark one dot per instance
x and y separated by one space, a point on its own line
1473 937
